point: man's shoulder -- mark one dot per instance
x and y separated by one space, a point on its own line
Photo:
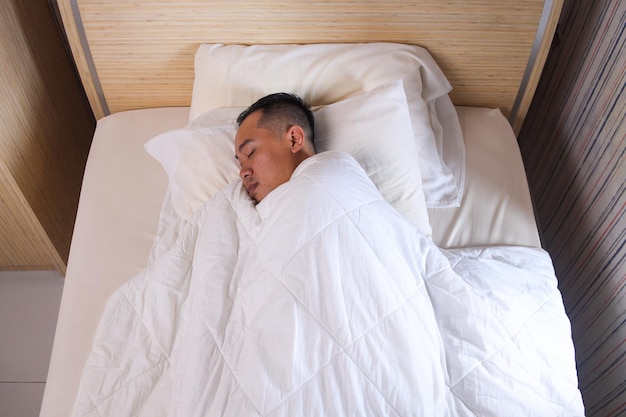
336 172
326 160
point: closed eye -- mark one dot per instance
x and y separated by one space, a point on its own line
245 144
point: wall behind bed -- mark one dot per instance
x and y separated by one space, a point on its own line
45 133
574 147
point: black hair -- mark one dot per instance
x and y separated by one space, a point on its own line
281 111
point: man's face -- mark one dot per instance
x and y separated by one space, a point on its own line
266 161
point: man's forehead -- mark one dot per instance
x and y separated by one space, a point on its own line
244 134
252 120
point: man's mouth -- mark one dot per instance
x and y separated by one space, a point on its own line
251 188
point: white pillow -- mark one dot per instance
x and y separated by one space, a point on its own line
374 127
199 161
238 75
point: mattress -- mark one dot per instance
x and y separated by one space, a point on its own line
123 196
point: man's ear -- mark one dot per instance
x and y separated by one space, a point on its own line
296 136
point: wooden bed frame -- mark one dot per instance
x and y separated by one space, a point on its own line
133 55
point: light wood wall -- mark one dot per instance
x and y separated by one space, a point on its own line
141 54
45 133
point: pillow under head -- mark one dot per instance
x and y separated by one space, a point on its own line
238 75
374 127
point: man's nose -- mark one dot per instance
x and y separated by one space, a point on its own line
244 172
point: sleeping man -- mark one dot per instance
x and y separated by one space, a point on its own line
299 290
275 135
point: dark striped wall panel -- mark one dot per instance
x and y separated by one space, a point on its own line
574 146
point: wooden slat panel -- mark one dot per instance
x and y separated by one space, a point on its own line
45 134
24 243
542 46
143 52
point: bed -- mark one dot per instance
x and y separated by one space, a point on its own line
480 331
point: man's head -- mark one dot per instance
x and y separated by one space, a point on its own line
275 135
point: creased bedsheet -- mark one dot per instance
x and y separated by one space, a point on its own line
323 301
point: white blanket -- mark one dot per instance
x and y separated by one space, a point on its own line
323 301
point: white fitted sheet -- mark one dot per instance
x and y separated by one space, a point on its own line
123 191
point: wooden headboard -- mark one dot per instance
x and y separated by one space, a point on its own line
133 55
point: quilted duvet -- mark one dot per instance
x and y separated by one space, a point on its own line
322 300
